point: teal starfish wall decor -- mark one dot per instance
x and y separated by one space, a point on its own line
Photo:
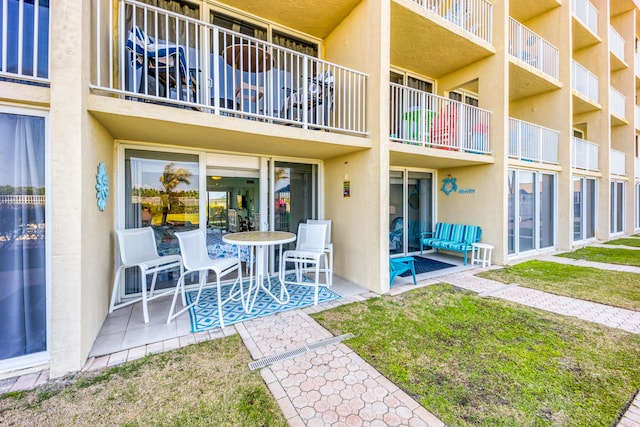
449 185
102 186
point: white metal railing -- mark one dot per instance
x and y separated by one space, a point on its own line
473 16
617 101
529 47
587 13
637 167
585 154
175 60
616 43
424 119
533 143
617 162
24 40
584 81
22 199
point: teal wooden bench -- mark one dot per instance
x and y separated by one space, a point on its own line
398 266
451 237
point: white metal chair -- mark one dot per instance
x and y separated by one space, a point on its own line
137 247
195 257
309 251
328 246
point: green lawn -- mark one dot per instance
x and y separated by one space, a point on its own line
603 286
475 361
207 384
606 255
625 242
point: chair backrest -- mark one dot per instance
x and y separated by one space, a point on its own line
193 249
327 239
136 245
311 237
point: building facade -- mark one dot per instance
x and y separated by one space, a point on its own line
384 116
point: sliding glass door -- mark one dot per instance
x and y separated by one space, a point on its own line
617 207
584 208
532 211
410 209
23 277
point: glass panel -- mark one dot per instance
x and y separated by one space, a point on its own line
28 43
578 194
612 218
161 191
637 205
590 208
512 212
233 203
23 316
547 210
422 85
526 205
420 209
619 206
396 213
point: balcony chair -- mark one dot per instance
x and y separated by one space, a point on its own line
397 266
162 61
309 251
195 257
444 127
318 93
328 246
137 247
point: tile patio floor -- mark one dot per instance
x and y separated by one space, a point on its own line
329 385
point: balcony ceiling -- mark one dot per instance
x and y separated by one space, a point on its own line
526 81
317 18
404 155
522 11
583 105
621 6
145 122
430 45
582 37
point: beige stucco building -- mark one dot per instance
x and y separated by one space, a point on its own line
384 116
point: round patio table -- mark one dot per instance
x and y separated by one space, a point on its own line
259 279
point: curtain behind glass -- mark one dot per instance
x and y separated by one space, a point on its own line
22 236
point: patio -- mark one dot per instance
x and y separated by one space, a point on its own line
124 330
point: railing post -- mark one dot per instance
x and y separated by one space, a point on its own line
305 91
215 77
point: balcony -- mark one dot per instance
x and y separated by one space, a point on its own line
24 42
473 16
532 49
617 105
169 59
637 167
431 121
617 163
532 143
585 85
586 13
616 47
585 155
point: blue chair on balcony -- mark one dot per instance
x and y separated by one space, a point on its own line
164 62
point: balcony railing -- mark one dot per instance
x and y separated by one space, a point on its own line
584 82
637 167
473 16
24 40
167 58
532 143
587 13
617 163
424 119
585 155
617 101
616 43
529 47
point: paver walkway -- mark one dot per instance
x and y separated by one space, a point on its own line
328 386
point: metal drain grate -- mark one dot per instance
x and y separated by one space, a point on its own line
276 358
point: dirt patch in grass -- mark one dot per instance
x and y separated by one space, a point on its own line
475 361
606 255
206 384
615 288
